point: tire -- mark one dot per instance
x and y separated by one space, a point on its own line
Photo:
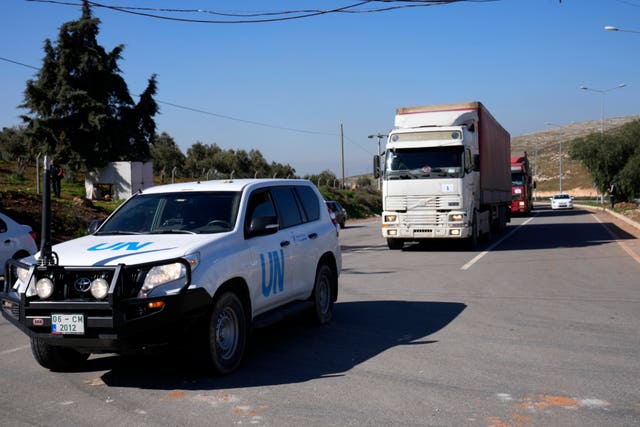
57 359
395 244
226 333
472 241
322 295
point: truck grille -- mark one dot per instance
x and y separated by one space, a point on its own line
408 203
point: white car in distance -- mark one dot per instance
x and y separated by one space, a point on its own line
561 201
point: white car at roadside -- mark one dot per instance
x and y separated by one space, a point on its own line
16 241
561 201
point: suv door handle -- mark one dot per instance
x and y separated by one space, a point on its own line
285 243
313 235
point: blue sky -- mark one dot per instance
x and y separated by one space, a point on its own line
524 59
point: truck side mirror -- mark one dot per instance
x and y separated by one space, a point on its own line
476 162
376 166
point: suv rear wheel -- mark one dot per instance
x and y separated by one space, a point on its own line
323 295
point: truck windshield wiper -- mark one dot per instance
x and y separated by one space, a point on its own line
404 174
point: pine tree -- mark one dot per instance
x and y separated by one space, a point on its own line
80 109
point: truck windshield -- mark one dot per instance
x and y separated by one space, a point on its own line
517 178
424 163
172 213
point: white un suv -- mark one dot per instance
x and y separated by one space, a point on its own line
216 256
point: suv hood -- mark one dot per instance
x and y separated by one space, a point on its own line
129 249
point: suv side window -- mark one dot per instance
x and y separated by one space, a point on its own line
260 204
310 202
289 213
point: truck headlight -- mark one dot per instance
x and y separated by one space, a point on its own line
456 217
162 275
44 288
390 218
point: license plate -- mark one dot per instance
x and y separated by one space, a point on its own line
67 324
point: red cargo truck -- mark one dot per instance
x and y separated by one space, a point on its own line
522 185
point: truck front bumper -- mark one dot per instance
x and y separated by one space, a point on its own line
425 226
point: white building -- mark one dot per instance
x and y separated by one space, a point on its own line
118 180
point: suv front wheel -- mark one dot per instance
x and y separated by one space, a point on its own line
57 359
227 333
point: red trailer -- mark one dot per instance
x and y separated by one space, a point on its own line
522 185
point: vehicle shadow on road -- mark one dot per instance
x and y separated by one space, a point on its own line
294 350
538 235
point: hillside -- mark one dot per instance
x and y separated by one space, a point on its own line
543 148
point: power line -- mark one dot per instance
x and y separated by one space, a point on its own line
197 110
18 63
201 111
264 17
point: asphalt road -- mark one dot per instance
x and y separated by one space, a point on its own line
539 327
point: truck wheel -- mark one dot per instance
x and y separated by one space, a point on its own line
58 359
323 295
227 333
395 244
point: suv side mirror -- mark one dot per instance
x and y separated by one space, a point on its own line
94 225
263 225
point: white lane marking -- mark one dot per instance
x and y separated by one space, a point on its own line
13 350
486 251
623 245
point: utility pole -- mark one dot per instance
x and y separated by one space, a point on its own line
342 145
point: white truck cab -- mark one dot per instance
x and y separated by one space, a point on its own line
219 255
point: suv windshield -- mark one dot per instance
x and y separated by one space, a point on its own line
424 163
187 212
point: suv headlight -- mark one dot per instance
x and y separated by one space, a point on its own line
22 277
44 287
162 275
173 274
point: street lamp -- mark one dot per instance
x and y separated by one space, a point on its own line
603 92
379 136
611 28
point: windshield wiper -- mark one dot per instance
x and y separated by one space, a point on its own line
173 231
403 174
117 233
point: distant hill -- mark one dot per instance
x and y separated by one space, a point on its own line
543 148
